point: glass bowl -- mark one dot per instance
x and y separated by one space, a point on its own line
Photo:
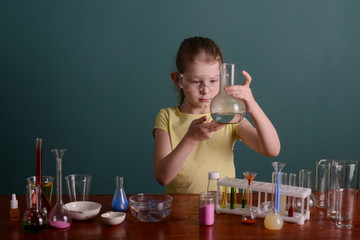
150 207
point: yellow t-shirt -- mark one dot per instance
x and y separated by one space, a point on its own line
214 154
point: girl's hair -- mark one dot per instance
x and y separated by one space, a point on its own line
191 48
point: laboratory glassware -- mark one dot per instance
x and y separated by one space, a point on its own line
206 209
305 181
273 220
46 205
59 217
224 108
292 182
34 218
119 202
249 216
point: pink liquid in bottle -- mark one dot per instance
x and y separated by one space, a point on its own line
207 213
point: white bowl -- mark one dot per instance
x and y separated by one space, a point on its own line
113 218
83 210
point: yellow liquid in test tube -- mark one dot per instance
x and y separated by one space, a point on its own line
224 197
282 205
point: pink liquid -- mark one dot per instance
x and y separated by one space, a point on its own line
207 213
60 224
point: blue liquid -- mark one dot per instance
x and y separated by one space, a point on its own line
119 202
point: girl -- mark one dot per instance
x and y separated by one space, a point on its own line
188 143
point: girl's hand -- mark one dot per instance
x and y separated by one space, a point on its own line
200 130
243 92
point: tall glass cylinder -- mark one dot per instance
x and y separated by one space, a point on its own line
224 108
46 205
59 217
273 220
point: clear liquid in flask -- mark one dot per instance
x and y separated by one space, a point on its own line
228 117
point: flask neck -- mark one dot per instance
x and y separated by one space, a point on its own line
119 181
59 181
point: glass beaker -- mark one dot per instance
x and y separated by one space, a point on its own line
119 202
273 220
249 215
46 205
59 217
224 108
34 218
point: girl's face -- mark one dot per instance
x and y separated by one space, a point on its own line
201 84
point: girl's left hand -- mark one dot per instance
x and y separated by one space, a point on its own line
243 92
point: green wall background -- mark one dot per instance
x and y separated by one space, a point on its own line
91 76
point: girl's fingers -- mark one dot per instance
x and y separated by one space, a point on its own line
247 78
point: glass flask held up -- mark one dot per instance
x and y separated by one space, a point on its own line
34 218
224 108
59 217
119 202
273 220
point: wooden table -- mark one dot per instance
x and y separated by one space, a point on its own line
182 223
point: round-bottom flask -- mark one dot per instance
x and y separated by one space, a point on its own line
34 219
224 108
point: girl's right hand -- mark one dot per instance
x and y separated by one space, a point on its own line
201 130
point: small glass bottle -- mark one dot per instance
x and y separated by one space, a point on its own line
119 202
59 217
14 209
206 209
213 176
34 218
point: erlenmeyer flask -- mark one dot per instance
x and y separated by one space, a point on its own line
34 218
224 108
59 217
273 220
119 202
46 205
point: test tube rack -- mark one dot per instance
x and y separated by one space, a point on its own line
264 188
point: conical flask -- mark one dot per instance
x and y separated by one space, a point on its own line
59 217
119 202
34 218
46 205
224 108
273 220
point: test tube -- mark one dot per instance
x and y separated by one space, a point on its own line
292 182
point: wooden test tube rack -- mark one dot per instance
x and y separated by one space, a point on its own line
264 188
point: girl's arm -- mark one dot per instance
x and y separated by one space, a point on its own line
168 161
262 138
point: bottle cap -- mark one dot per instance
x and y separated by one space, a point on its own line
213 175
13 202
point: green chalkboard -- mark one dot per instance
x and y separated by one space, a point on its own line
90 76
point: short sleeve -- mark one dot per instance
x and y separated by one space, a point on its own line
162 121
